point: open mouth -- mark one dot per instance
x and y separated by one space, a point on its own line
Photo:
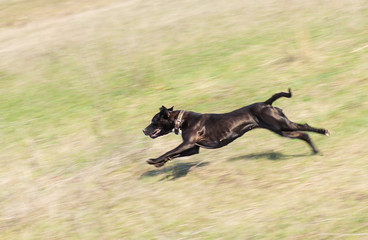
155 133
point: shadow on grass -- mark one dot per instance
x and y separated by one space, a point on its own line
274 156
174 172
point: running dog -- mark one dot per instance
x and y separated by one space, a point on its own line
218 130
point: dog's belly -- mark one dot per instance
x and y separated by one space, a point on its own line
214 144
220 138
205 145
217 140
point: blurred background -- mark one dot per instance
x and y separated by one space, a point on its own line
79 80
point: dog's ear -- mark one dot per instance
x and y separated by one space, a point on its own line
163 108
164 111
171 109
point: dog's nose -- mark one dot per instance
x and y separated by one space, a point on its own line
144 131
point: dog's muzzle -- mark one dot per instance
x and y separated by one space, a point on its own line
154 134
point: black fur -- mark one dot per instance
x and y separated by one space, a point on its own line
218 130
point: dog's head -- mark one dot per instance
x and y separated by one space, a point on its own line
161 123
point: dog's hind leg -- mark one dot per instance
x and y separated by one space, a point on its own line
275 120
291 126
302 136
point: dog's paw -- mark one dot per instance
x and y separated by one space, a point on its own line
327 133
160 164
152 161
156 161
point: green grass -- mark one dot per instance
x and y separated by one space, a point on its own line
78 84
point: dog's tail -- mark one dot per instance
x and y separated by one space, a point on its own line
277 96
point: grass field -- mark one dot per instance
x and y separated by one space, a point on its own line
79 80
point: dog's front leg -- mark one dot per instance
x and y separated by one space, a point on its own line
176 152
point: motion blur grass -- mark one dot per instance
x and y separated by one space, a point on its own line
79 80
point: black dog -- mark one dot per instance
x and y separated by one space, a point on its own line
218 130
